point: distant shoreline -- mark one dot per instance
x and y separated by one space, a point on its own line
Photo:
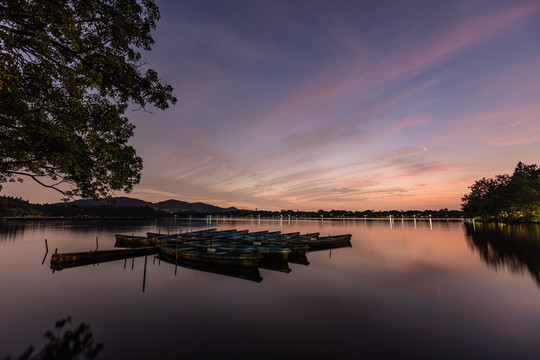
217 218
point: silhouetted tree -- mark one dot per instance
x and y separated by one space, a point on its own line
65 344
68 71
506 198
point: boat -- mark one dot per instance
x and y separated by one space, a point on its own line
279 235
249 235
212 256
212 235
296 235
269 252
296 249
198 234
162 237
325 242
134 241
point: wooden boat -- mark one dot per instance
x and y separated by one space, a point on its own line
134 241
198 234
213 235
270 252
229 234
61 261
249 235
279 235
296 235
296 249
212 256
325 242
162 237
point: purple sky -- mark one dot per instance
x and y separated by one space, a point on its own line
337 104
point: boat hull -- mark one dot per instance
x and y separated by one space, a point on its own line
135 241
269 253
326 242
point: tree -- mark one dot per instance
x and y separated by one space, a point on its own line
63 343
69 69
506 198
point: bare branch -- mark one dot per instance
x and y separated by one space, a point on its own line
33 177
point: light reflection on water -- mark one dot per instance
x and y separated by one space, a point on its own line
418 289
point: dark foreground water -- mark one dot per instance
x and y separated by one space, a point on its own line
440 289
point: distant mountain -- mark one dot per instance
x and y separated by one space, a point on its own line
120 201
177 206
168 205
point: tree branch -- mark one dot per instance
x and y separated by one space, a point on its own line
34 177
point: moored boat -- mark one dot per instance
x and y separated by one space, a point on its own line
162 237
269 252
296 249
325 242
249 235
134 241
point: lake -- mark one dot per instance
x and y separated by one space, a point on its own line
406 288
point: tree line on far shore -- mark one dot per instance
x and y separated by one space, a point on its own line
506 198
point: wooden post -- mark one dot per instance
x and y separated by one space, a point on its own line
46 246
97 243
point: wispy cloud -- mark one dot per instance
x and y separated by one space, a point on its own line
352 104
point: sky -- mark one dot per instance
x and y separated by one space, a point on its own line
354 105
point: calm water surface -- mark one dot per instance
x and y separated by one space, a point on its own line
404 289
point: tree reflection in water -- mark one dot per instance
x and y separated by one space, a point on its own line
65 344
514 246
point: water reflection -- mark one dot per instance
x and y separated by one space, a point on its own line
9 231
65 344
516 247
246 273
60 261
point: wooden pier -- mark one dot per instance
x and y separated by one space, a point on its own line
61 261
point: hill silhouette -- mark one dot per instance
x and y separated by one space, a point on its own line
167 205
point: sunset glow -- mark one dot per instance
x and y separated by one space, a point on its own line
337 105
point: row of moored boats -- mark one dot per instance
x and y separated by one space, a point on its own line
233 247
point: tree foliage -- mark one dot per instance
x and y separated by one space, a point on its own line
505 197
69 69
63 343
10 206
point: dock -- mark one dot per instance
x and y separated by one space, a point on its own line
61 261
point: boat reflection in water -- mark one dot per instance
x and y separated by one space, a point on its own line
516 247
246 273
238 262
281 266
298 259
